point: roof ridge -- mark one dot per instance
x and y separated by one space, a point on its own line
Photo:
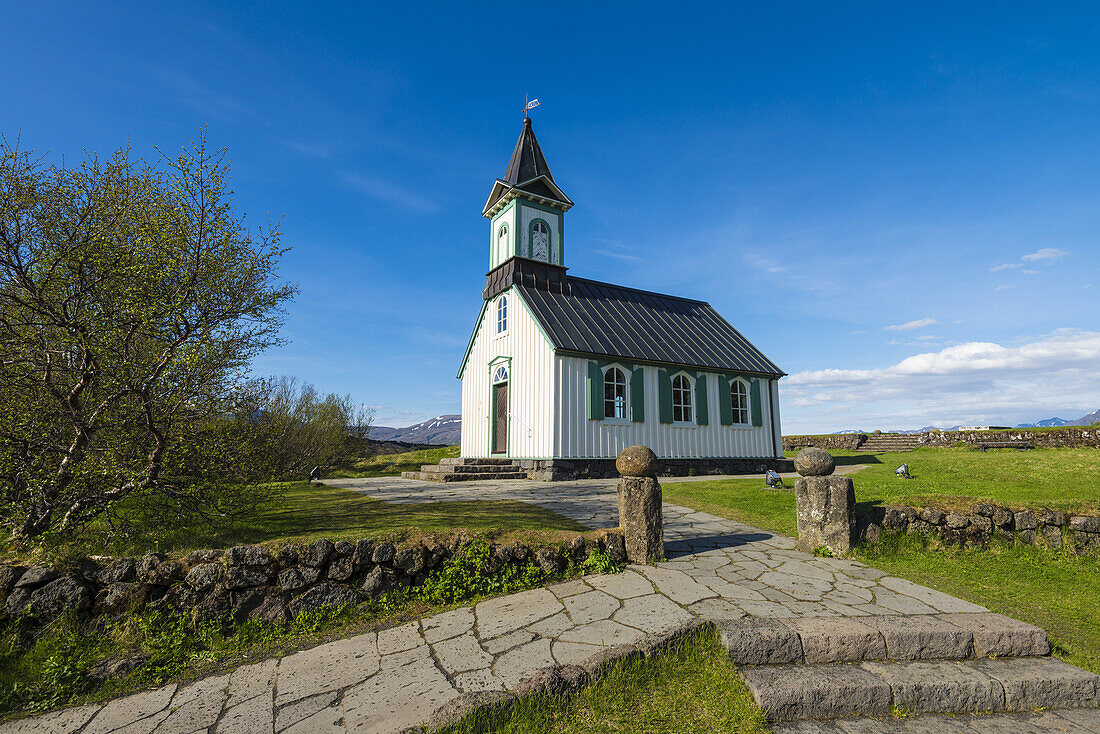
640 290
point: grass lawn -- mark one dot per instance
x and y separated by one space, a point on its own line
301 512
391 465
690 687
1062 479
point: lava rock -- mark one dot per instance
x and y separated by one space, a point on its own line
1079 524
291 579
148 564
549 560
19 598
957 521
204 576
32 578
373 583
984 509
341 569
383 553
814 462
124 569
203 556
249 555
344 548
318 553
637 461
932 516
115 596
361 557
288 556
9 575
1002 518
1025 520
615 547
271 609
57 597
245 577
410 560
323 595
166 573
117 667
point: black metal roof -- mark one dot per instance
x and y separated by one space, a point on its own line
590 317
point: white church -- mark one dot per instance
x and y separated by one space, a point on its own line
562 373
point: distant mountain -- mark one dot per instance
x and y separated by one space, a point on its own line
1049 423
444 430
1087 420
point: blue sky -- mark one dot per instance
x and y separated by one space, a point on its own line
900 204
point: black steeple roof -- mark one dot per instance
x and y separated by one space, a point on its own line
527 172
527 162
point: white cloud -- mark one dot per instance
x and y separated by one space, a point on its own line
910 325
960 384
1002 287
1046 253
618 255
390 193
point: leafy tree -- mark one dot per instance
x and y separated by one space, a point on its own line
132 299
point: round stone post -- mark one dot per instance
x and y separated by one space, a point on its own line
824 504
640 504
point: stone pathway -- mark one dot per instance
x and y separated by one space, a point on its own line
718 570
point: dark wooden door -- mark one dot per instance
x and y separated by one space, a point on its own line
500 418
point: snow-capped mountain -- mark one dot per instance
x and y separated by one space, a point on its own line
444 430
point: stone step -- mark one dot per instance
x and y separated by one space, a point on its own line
462 477
834 690
815 640
465 468
463 461
1063 721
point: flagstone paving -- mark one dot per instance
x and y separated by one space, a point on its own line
397 678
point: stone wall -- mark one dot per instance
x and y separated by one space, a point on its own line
829 442
1064 437
257 582
984 521
570 469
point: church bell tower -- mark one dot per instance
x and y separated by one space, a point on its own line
526 208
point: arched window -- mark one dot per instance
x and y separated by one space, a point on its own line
500 374
540 240
502 314
502 242
739 397
682 400
614 393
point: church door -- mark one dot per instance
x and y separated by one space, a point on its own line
500 418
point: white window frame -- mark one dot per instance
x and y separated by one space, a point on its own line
500 374
690 405
502 315
625 417
735 412
502 243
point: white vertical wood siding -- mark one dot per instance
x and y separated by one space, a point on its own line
530 388
575 436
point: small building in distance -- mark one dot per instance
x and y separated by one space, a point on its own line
562 373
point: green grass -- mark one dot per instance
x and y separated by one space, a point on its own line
1064 479
689 687
391 465
300 512
949 478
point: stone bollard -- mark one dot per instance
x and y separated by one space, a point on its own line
824 504
640 504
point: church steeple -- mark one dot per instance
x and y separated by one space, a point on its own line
526 207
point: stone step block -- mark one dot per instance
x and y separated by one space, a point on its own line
1065 721
791 692
463 461
466 468
464 477
754 641
834 690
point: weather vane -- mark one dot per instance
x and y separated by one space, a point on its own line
529 104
